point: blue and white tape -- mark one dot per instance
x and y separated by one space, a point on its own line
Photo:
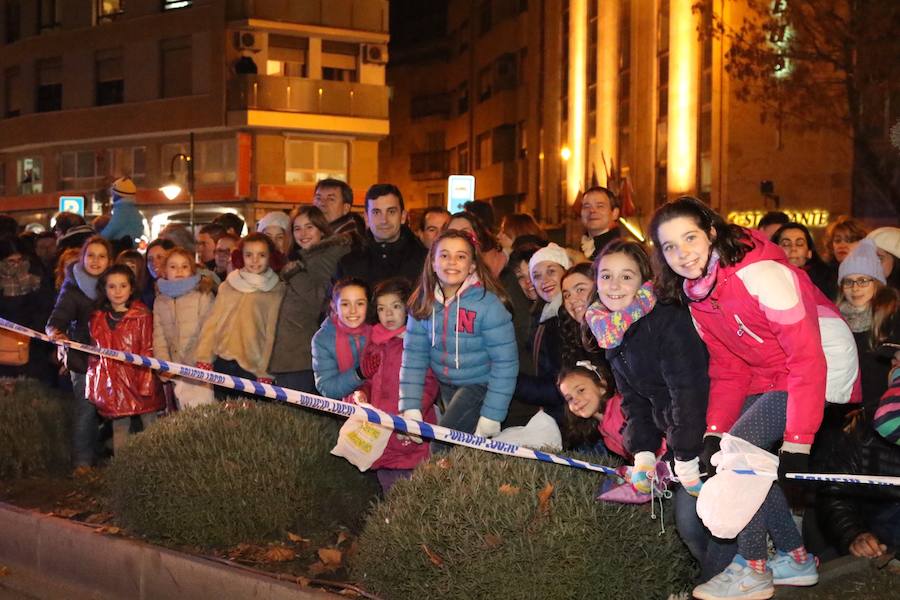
320 403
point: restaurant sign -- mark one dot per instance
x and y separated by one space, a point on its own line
813 217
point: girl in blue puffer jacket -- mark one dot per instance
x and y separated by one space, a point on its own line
460 326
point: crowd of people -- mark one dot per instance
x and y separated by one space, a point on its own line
709 350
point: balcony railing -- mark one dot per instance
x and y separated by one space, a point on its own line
295 94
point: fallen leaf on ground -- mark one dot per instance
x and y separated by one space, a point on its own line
279 554
342 537
435 559
303 581
66 513
98 518
296 538
544 497
318 567
330 556
109 530
4 571
444 463
492 541
349 593
509 490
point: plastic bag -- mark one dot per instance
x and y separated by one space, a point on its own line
361 442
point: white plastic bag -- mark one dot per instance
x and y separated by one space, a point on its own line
730 498
361 442
540 432
189 394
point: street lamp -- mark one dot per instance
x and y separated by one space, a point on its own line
171 189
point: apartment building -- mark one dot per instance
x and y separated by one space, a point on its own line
277 95
538 98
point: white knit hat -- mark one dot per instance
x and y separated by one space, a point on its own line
275 218
551 252
887 239
862 261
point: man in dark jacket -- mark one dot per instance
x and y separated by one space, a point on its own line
861 519
335 199
600 216
390 248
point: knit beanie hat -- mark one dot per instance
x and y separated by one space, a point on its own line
124 187
862 261
887 239
551 252
275 218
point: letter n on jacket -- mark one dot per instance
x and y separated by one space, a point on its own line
465 321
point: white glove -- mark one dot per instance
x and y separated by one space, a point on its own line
413 414
487 427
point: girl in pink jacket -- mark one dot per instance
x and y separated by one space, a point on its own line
380 365
760 319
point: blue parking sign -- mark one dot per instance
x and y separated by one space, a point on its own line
460 189
73 204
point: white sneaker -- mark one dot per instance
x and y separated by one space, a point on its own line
787 571
738 580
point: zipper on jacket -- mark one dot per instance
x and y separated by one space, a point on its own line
742 329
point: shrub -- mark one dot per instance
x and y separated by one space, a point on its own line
236 472
34 429
473 525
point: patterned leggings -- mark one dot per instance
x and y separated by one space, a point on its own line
762 424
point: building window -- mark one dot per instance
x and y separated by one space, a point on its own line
288 56
110 86
485 77
463 36
307 161
81 170
522 139
339 61
434 199
483 150
128 162
12 92
462 153
49 85
30 175
484 17
429 106
177 66
109 10
2 179
662 101
462 98
624 99
215 160
13 19
49 14
175 4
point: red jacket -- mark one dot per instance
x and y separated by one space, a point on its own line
761 325
120 389
383 392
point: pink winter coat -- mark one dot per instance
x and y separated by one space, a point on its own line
761 325
383 392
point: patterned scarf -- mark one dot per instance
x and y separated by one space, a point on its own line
609 327
698 289
858 319
342 337
15 280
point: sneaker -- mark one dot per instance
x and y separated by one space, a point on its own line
738 580
787 571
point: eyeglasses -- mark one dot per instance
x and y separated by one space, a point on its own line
862 283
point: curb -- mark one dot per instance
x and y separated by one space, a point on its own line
828 572
121 568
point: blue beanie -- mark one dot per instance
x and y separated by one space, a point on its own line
862 261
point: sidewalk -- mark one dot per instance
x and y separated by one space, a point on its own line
106 567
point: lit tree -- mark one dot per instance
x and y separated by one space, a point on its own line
812 64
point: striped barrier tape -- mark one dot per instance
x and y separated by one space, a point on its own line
320 403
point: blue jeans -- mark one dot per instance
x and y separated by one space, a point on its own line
713 557
462 407
885 524
84 423
231 367
302 381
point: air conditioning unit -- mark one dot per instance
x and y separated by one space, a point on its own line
376 54
253 41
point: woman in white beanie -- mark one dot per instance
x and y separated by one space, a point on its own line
546 268
887 240
870 308
277 227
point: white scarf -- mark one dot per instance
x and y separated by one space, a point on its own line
246 282
551 309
